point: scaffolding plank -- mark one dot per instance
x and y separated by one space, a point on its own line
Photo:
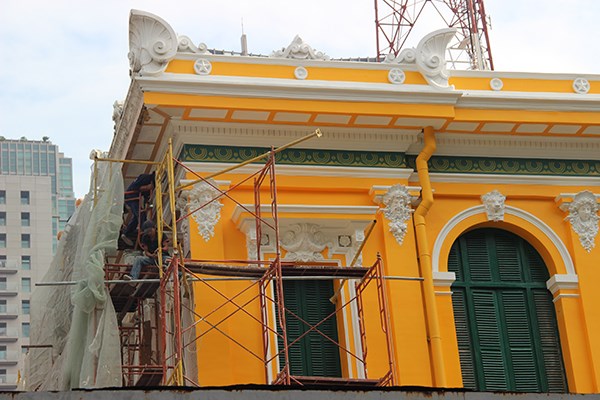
287 270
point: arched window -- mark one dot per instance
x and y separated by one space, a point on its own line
504 316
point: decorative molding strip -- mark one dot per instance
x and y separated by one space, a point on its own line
313 170
348 158
511 179
538 223
152 43
565 295
307 209
443 279
512 166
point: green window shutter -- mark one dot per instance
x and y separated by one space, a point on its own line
550 344
492 364
477 258
504 316
463 336
313 355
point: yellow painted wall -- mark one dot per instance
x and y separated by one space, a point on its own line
223 362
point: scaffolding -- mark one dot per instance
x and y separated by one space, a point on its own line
157 319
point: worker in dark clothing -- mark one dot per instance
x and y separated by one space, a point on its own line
141 186
149 245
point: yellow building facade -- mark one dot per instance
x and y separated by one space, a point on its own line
483 186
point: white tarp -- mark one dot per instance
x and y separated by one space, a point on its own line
77 324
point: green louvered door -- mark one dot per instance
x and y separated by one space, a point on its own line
504 316
314 354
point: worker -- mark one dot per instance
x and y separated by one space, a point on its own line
149 245
140 187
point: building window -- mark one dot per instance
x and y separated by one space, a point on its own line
24 197
3 330
505 321
3 353
2 306
2 283
2 218
25 307
2 261
26 285
313 352
2 240
25 329
2 196
25 241
25 219
26 262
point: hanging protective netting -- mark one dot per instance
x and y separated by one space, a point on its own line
74 330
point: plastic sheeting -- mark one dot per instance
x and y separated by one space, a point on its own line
77 324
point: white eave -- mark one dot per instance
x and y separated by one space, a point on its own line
296 89
529 101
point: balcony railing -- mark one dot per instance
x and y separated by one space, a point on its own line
9 310
9 332
8 380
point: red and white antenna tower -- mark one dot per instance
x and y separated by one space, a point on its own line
470 49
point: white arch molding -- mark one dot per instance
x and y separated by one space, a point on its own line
556 281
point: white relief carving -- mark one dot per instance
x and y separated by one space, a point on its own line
186 45
581 85
396 76
206 210
301 73
152 43
494 205
300 51
429 56
117 112
251 244
359 238
496 84
344 240
583 215
304 242
202 66
397 210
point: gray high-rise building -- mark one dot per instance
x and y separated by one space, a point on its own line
36 201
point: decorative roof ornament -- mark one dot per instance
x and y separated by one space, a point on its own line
304 242
583 215
298 50
204 198
187 46
152 43
429 57
397 210
494 205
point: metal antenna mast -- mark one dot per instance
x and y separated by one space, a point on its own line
396 19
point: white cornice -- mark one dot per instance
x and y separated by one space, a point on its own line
359 139
294 62
562 281
308 209
510 179
456 144
309 170
295 89
545 76
529 100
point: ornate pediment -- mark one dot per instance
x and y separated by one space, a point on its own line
429 56
299 50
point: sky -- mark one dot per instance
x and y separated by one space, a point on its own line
64 63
